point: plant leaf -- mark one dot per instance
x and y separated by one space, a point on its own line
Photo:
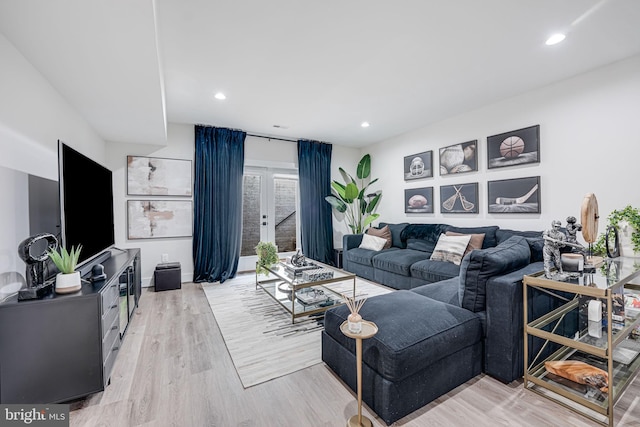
337 203
338 188
351 192
347 178
368 220
364 167
373 203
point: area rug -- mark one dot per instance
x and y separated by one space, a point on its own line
262 341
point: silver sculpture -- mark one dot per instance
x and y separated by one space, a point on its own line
554 239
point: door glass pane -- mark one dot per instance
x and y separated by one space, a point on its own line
250 214
285 213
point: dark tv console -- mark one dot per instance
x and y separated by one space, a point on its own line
63 347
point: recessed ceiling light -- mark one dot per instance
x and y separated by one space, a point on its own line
555 39
221 96
365 124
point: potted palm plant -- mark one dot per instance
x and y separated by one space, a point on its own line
68 279
351 198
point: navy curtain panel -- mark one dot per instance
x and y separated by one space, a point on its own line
314 174
217 199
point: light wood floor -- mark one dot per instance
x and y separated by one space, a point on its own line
174 370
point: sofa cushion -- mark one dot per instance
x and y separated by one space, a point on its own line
480 266
428 234
396 234
474 243
399 261
383 232
450 248
421 245
407 340
534 238
360 256
489 232
372 242
434 271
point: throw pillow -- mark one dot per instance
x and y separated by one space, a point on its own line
474 243
372 242
383 232
450 248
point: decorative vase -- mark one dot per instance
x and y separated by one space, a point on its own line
354 323
68 283
625 230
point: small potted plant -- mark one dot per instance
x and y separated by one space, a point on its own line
68 279
627 222
267 256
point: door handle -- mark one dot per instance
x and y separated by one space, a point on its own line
264 223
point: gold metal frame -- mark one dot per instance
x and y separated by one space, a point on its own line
534 376
296 285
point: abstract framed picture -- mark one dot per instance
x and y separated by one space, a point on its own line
519 195
459 198
418 200
418 166
459 158
154 176
156 219
518 147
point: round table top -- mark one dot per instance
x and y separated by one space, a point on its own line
369 329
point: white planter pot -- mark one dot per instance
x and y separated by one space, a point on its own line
67 283
625 230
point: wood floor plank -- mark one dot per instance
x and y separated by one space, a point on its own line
174 370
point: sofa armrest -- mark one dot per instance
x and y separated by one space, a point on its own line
504 350
350 241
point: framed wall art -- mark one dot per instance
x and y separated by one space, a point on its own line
153 176
459 158
518 147
154 219
418 200
418 166
519 195
459 198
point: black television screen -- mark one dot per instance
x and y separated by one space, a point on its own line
86 201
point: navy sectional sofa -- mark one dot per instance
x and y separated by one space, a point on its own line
445 324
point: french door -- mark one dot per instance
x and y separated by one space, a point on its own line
269 212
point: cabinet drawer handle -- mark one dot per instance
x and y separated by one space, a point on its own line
113 328
115 348
113 306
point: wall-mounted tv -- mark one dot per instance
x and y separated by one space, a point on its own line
86 201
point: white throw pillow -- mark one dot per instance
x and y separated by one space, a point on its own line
373 243
450 248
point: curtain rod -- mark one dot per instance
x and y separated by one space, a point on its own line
272 137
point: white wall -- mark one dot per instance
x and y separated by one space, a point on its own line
33 116
179 146
14 224
589 144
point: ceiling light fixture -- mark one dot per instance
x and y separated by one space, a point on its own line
221 96
555 39
365 124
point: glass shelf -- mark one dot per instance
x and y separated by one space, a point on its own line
565 332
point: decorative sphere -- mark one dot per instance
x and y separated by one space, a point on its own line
512 147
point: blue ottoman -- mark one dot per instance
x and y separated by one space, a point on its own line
423 349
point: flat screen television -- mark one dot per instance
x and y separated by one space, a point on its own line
86 202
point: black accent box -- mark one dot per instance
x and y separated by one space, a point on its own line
167 277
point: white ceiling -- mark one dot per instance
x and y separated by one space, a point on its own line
318 68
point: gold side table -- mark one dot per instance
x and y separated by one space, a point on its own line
369 329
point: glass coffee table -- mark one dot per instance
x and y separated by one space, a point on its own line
304 297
